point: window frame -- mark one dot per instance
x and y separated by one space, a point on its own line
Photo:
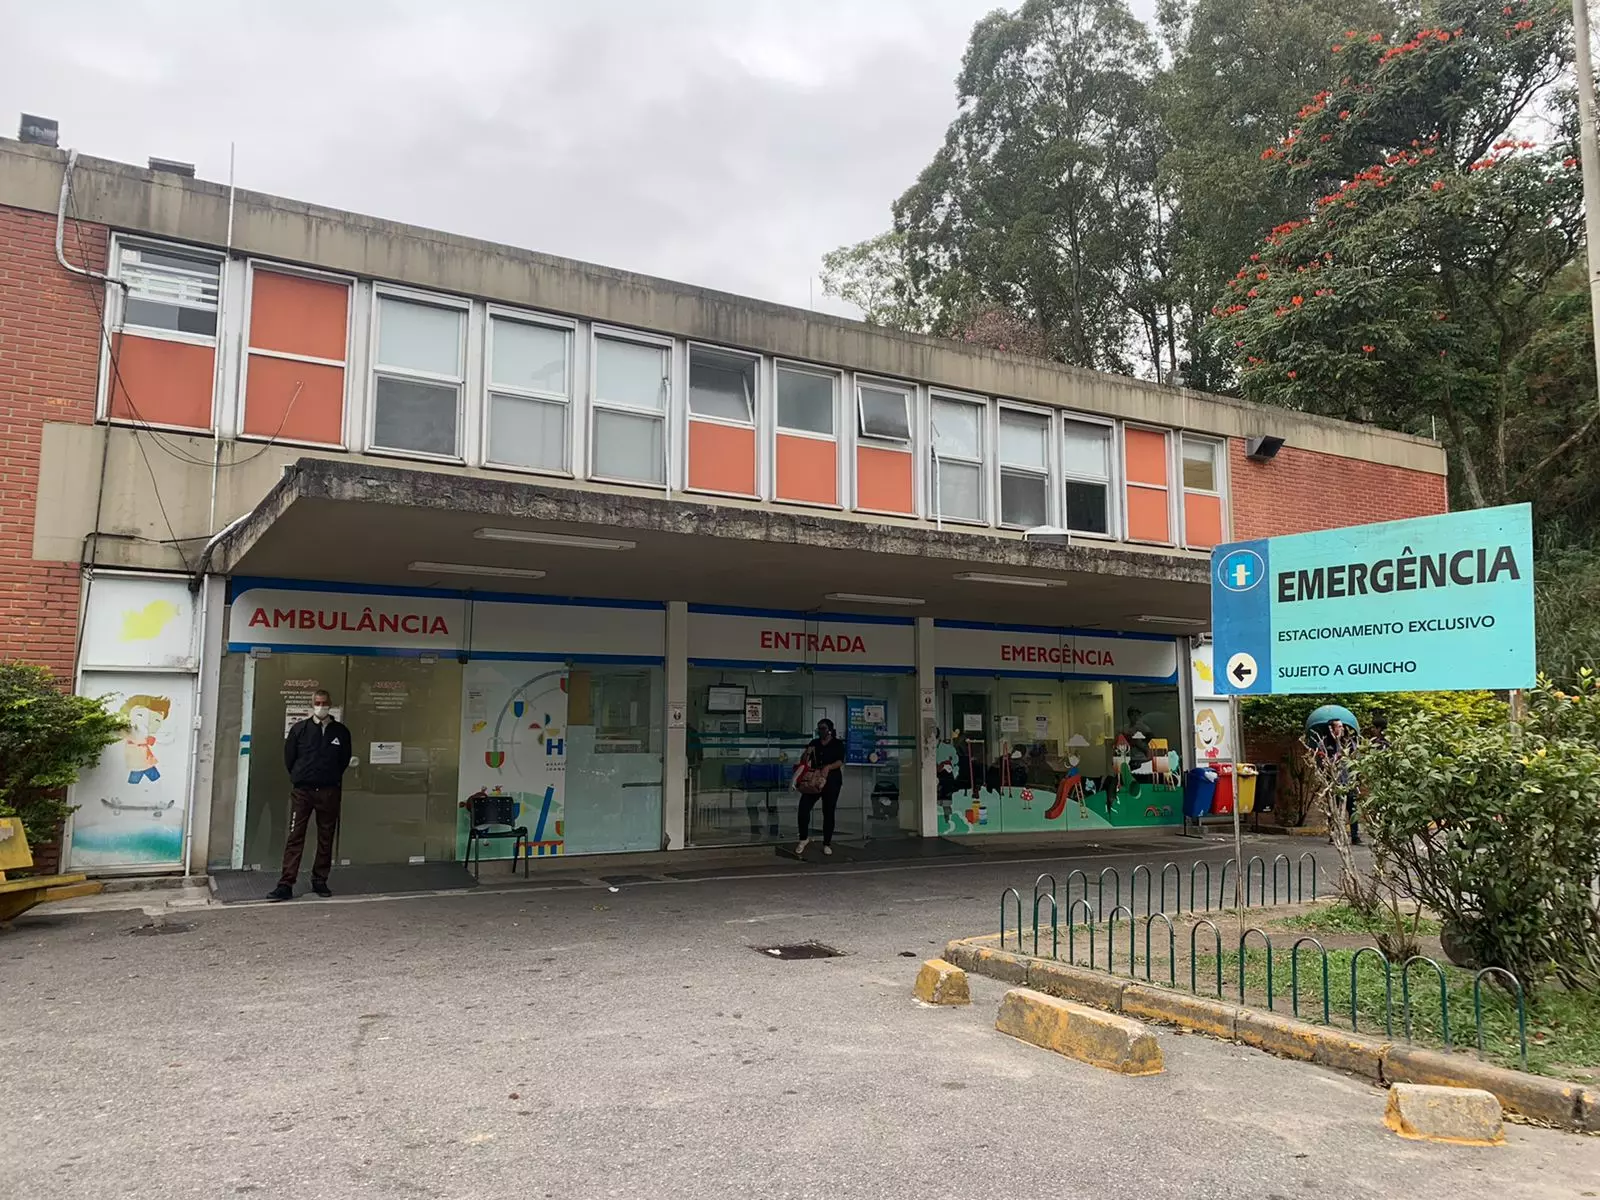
908 394
984 406
615 333
1112 480
843 477
1174 491
835 379
459 304
1049 474
488 389
251 266
749 356
118 311
1219 451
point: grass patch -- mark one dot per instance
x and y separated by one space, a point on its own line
1563 1027
1339 917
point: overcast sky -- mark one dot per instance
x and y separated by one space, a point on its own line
728 143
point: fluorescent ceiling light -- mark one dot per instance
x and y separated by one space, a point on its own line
1010 580
1156 620
534 537
443 568
867 598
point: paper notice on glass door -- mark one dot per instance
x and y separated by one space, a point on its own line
385 753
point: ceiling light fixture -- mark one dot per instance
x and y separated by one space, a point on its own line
1009 580
1149 619
570 540
444 568
867 598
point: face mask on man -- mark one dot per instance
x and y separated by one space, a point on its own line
320 711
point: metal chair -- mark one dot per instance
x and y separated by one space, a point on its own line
493 817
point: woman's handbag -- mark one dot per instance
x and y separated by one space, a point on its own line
809 781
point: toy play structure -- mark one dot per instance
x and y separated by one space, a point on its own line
17 896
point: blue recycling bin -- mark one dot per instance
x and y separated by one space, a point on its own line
1199 787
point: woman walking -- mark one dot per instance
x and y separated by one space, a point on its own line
821 777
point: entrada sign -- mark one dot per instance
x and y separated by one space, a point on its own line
1431 604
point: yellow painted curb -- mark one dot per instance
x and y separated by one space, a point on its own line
1077 1031
1283 1036
1189 1012
1074 983
939 982
1459 1116
1553 1101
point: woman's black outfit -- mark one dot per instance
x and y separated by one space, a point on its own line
819 755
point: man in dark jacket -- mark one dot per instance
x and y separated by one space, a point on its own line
316 752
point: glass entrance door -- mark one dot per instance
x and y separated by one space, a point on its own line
401 791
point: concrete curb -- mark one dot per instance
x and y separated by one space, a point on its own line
1555 1102
1458 1116
1080 1031
942 983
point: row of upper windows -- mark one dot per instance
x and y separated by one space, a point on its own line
548 393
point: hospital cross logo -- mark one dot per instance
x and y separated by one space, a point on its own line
1241 570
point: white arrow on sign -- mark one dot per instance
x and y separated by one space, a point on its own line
1242 670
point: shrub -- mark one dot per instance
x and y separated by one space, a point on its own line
1498 830
47 737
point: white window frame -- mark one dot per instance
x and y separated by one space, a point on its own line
1112 481
251 267
488 389
908 393
121 295
936 461
1051 459
843 476
756 408
1219 450
375 316
1174 488
597 334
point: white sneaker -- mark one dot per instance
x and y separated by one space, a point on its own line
827 849
800 848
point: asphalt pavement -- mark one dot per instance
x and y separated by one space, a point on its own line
589 1042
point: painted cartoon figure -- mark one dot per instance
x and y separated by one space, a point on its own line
1071 788
1208 735
145 716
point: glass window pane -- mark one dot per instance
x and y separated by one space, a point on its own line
630 373
419 337
721 385
533 357
957 429
412 415
960 490
152 314
1087 510
885 413
1022 500
805 402
1088 450
528 433
1024 440
1200 466
628 447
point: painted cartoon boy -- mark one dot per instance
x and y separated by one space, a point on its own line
145 715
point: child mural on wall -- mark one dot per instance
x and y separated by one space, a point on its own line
145 716
1209 735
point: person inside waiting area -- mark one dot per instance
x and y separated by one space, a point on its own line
1138 734
316 752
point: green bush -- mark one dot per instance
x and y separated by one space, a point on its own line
1285 716
47 737
1498 830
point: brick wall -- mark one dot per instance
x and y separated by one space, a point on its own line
49 365
1301 490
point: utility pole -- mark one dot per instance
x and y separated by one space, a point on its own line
1589 156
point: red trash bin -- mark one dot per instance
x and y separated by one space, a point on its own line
1222 803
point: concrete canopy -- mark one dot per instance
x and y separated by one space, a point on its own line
364 524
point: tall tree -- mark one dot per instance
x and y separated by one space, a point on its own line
1041 200
1416 288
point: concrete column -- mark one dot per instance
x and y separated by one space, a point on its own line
213 603
675 758
927 726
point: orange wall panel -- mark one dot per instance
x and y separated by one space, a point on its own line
1202 520
1147 515
1146 454
297 401
808 470
722 458
295 315
161 382
883 480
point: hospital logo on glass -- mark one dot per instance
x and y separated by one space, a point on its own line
1241 571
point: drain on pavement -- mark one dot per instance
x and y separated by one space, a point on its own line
799 950
154 927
